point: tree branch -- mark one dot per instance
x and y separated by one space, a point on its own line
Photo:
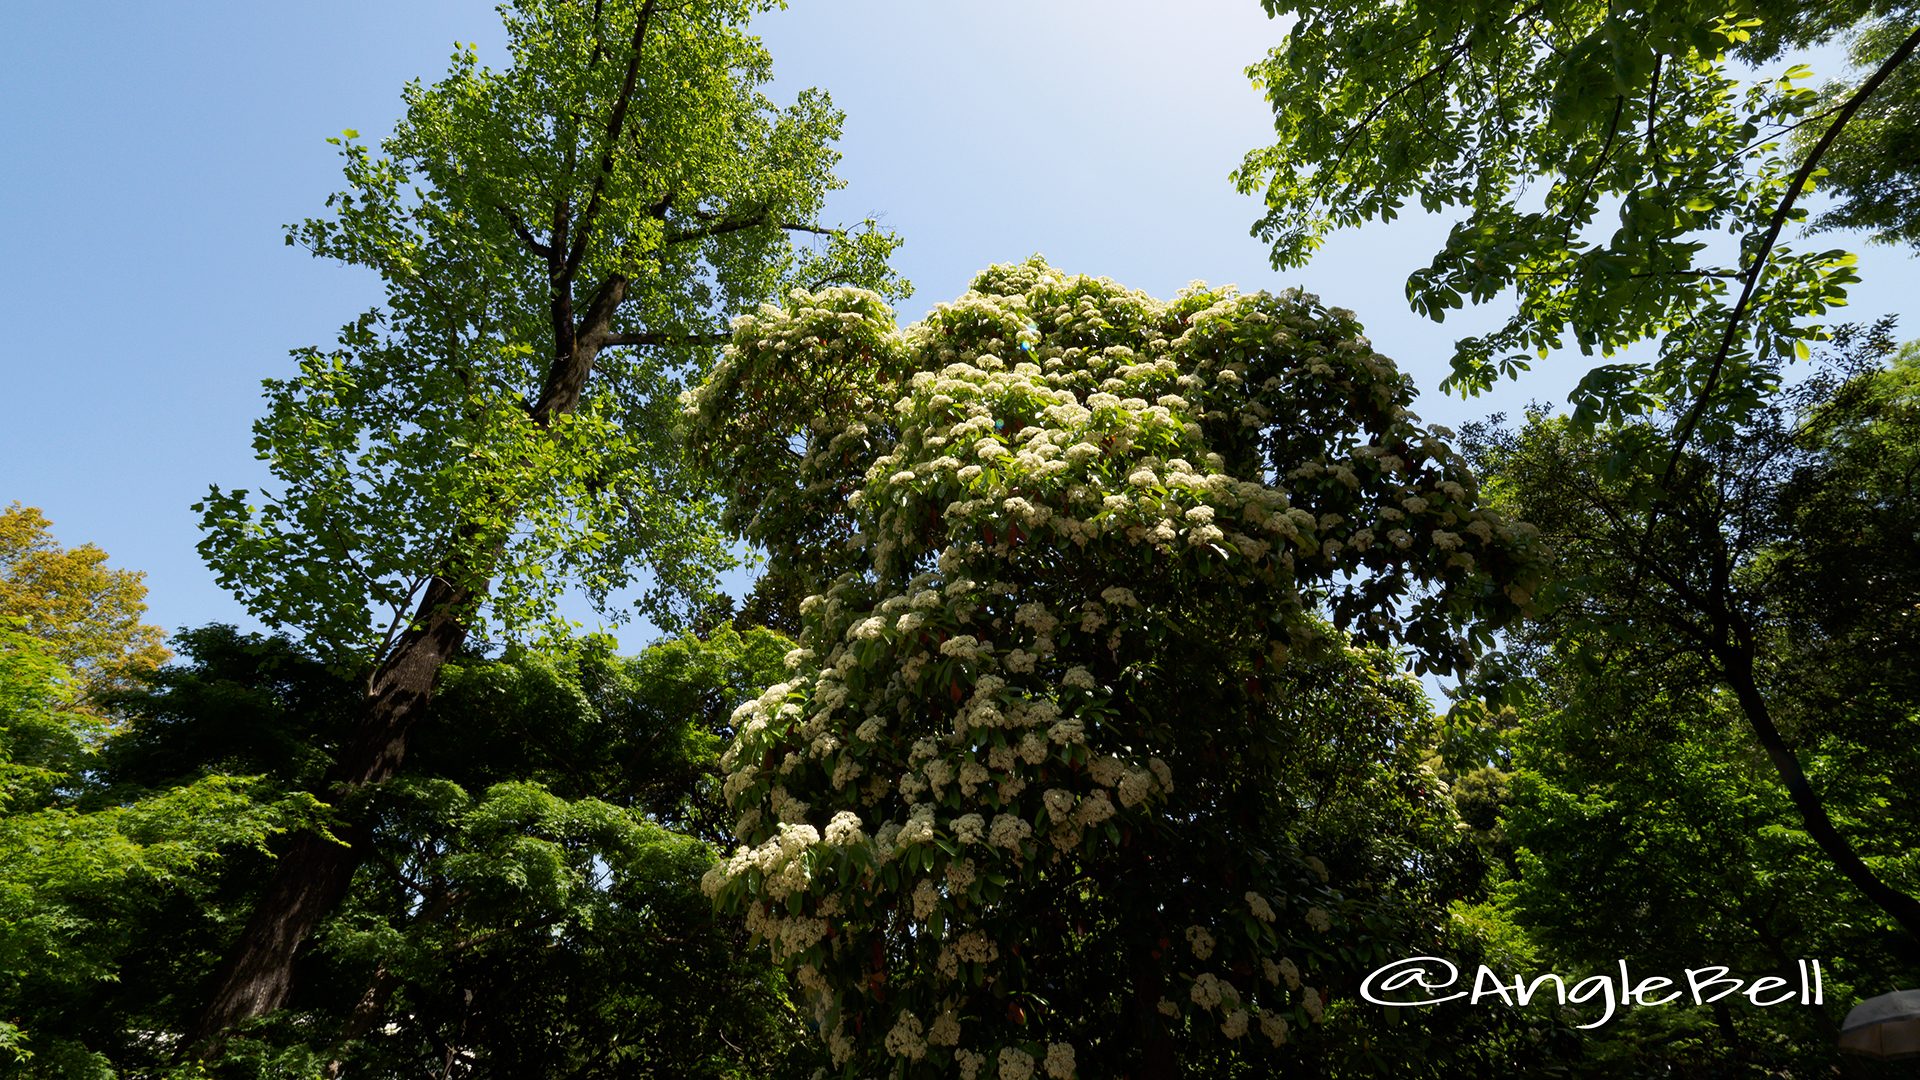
525 234
1774 225
1599 163
568 376
722 226
615 121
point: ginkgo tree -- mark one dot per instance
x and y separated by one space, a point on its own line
1072 774
561 241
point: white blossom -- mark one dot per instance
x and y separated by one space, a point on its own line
905 1040
845 829
1259 906
1274 1027
1008 831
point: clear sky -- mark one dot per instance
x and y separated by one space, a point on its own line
150 153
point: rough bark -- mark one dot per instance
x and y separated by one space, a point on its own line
311 879
312 876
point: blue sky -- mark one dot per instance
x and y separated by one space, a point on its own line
153 152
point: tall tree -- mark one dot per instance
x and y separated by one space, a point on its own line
1070 774
85 612
1536 121
562 241
1782 568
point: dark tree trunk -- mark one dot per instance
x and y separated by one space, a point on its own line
1157 1056
372 1006
310 880
1904 909
312 877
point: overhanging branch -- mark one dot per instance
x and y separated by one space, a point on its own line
1777 222
721 226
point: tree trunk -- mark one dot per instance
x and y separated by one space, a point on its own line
312 877
1158 1058
1904 909
366 1013
314 874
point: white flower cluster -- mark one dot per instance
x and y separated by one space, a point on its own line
1209 991
1200 941
955 690
904 1040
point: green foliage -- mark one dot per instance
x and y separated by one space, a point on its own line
82 880
1644 816
1875 161
1068 773
560 243
1647 827
1593 154
529 907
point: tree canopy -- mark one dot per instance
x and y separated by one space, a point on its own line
530 904
85 612
561 242
1044 789
1780 567
1590 153
86 880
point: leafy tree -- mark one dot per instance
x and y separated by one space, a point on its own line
86 613
1068 774
1644 824
84 881
561 242
529 911
1777 583
1872 161
523 909
1537 120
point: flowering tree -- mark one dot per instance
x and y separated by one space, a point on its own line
1064 727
